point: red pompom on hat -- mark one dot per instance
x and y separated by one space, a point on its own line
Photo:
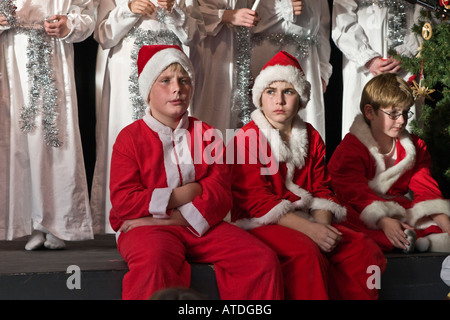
282 67
154 59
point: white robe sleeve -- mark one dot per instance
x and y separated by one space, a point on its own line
4 28
114 22
348 35
212 11
186 21
411 44
283 12
326 68
274 13
81 21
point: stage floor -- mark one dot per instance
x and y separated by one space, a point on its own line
44 275
91 255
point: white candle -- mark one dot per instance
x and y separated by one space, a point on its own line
385 33
255 5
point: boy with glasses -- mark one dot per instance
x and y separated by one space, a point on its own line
379 163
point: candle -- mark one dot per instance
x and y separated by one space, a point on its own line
385 33
255 5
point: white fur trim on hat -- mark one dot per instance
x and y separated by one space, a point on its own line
157 64
289 74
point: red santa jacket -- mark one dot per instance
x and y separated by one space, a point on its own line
149 160
271 178
360 177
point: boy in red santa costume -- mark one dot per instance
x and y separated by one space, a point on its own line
292 209
168 205
378 163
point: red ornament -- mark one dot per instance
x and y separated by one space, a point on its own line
411 79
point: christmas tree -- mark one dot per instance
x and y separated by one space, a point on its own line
431 86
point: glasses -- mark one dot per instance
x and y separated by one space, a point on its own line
396 115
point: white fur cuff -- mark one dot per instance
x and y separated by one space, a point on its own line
380 209
339 212
426 208
270 217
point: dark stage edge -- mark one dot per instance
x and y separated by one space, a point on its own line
43 274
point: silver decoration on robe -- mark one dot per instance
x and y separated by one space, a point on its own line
43 94
397 27
8 9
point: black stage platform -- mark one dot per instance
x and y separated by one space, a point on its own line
43 274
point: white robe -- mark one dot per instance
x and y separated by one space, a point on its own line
214 59
360 33
42 187
115 20
278 19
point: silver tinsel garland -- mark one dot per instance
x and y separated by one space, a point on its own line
42 92
243 79
43 89
141 38
8 9
245 41
397 27
302 43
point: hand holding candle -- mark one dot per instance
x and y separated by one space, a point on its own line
297 6
166 4
56 26
241 17
142 7
380 65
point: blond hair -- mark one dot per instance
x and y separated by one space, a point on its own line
177 67
386 90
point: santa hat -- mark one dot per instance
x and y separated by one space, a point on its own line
282 67
153 60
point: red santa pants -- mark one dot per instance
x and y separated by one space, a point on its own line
156 256
310 273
